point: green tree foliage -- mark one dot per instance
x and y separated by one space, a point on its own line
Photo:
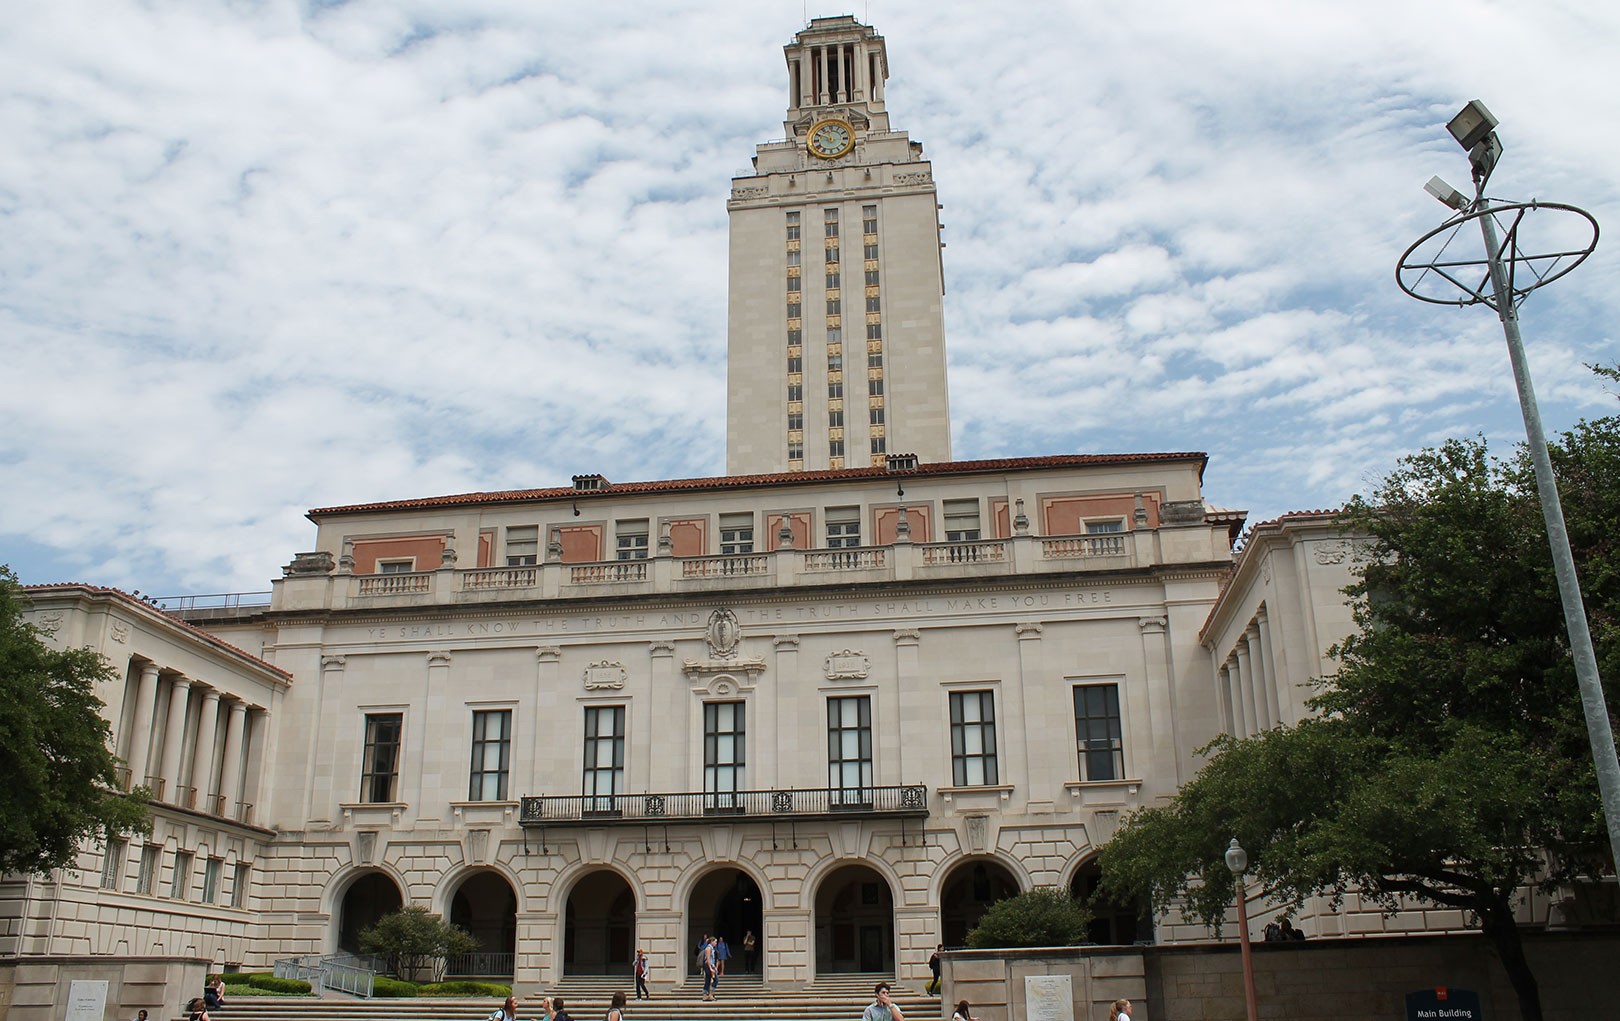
61 777
416 943
1448 761
1040 918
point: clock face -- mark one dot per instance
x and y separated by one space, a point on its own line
831 139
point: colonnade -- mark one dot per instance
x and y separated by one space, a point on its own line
1247 681
183 758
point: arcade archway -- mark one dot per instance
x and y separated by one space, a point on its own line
969 890
854 922
599 926
1112 924
486 906
726 903
369 897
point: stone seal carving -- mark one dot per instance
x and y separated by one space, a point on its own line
723 633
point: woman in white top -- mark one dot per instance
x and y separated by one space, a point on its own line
1120 1011
962 1013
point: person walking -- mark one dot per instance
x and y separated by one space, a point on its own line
882 1008
933 966
749 944
722 954
616 1008
641 976
709 983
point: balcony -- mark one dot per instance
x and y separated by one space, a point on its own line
910 801
984 559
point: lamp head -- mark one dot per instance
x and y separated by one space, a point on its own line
1472 124
1237 859
1446 193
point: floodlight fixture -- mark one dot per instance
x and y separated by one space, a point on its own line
1446 193
1472 124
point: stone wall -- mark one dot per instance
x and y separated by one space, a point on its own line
1318 980
37 988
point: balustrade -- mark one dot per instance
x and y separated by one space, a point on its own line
793 803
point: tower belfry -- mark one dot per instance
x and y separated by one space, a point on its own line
836 335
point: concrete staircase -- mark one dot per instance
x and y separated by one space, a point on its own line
741 998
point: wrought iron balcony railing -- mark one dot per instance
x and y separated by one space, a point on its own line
696 806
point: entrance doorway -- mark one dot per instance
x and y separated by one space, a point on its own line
854 922
726 903
486 906
968 893
1112 924
371 896
599 927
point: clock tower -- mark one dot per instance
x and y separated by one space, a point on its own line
836 337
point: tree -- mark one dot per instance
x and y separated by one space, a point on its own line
1040 918
416 943
1448 762
61 784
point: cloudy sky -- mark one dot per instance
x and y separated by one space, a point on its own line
257 257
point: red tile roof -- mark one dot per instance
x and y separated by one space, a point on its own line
134 602
943 468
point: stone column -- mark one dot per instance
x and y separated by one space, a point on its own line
791 706
231 773
1223 698
1241 720
179 692
1274 695
206 753
140 733
1264 700
1031 679
1161 719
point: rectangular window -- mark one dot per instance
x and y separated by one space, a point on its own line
793 284
874 303
835 362
491 754
835 448
795 451
961 520
843 527
793 226
870 251
874 386
210 891
402 566
724 754
180 882
522 545
604 757
874 331
871 278
1097 729
833 279
831 223
832 252
1105 527
737 530
112 864
835 334
795 338
849 750
239 884
631 539
874 359
794 309
835 390
793 257
875 414
795 363
879 444
379 770
146 879
795 392
835 306
869 219
795 421
835 419
973 738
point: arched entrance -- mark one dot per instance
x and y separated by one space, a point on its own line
854 922
969 890
599 926
486 906
725 903
368 898
1111 924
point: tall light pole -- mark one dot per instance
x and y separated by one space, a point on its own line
1237 859
1502 288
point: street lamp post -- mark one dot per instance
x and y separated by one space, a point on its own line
1502 288
1237 859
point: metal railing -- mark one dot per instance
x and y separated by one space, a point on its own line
354 974
211 601
793 803
481 964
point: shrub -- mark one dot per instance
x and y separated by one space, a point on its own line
416 942
463 988
266 981
392 987
1040 918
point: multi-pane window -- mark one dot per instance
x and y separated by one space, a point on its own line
793 226
210 890
491 754
874 303
835 361
835 390
835 448
795 450
849 749
146 879
831 223
973 738
112 864
875 414
961 520
631 537
843 527
793 283
795 363
1106 526
795 420
795 392
404 565
737 530
835 306
239 884
604 756
379 769
1097 731
874 386
724 753
180 882
835 418
794 307
869 219
522 545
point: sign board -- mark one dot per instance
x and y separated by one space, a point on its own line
1049 997
1444 1004
87 1000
